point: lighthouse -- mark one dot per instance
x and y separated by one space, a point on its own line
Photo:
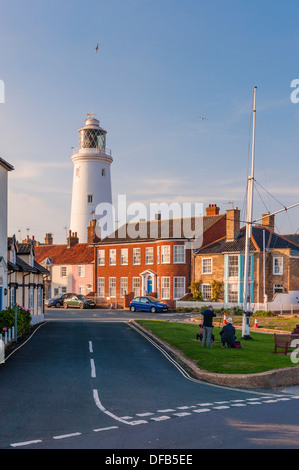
91 178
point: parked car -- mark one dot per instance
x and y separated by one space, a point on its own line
148 304
58 300
79 301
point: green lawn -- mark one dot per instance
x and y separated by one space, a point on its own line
256 355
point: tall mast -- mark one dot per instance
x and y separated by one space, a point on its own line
250 183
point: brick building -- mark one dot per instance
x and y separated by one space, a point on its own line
273 264
71 265
157 261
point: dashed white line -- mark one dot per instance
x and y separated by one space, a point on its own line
105 429
201 410
93 369
64 436
26 443
90 347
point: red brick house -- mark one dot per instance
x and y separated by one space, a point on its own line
159 264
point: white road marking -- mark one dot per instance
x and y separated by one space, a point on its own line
64 436
105 429
27 443
169 410
90 347
183 413
161 418
93 369
202 410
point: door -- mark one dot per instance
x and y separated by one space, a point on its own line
149 286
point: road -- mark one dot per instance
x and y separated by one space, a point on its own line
89 380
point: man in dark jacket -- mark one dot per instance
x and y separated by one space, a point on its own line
228 334
208 315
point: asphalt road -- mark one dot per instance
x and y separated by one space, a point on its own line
88 380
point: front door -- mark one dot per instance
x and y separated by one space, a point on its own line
149 286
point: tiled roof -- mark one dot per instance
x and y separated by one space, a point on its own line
150 230
272 241
81 253
294 238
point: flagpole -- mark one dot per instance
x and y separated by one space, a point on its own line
250 183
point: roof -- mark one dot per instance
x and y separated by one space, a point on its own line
272 241
294 238
6 165
81 253
150 230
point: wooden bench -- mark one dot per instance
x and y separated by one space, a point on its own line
283 341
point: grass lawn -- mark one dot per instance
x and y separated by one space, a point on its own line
256 355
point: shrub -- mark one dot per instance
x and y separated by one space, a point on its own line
7 319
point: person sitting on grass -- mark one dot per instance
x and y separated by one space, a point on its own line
228 334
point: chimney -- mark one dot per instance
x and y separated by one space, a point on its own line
72 239
48 239
212 209
232 224
268 221
91 232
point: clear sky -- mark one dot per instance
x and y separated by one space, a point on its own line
161 65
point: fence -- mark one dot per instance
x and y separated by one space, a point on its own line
4 341
282 308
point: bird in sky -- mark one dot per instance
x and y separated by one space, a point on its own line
202 118
97 48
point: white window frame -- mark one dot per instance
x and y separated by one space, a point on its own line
179 254
123 286
81 270
101 288
112 257
204 287
136 256
101 257
136 286
112 287
279 265
158 255
62 268
39 297
149 255
124 256
277 286
179 290
81 290
31 298
234 266
89 198
207 266
236 292
165 287
165 254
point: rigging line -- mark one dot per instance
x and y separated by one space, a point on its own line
283 205
261 199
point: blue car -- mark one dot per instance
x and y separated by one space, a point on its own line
148 304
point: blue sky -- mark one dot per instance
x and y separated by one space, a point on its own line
161 65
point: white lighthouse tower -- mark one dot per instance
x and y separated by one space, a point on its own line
91 180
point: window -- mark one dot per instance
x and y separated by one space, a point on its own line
158 255
136 286
136 255
124 256
81 290
101 286
233 292
103 171
63 271
123 286
101 257
149 255
233 265
179 287
206 291
278 265
39 297
165 254
31 298
12 296
206 266
165 287
112 286
81 271
78 171
89 198
63 289
179 254
277 289
112 257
